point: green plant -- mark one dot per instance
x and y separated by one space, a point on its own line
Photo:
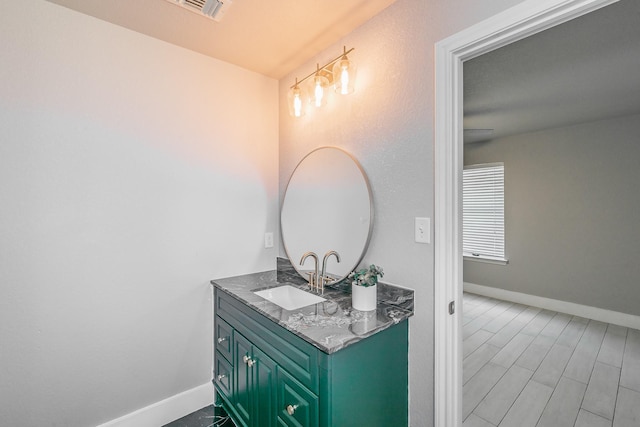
367 276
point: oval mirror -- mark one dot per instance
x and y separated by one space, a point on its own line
327 207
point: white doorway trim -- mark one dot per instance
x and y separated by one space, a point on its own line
518 22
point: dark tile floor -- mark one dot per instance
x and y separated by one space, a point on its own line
205 417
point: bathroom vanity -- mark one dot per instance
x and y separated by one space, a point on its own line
320 365
284 357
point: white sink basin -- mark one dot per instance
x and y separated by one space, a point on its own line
289 298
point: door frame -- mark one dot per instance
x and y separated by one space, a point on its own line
518 22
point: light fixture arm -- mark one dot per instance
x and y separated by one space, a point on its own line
324 67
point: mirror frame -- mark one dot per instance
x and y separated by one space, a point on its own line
371 210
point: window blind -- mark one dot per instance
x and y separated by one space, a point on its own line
483 211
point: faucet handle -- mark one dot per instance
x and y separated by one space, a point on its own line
326 280
312 277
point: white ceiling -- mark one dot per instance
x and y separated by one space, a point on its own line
584 70
269 37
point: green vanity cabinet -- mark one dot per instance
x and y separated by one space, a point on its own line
267 376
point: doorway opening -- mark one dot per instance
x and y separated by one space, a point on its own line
509 26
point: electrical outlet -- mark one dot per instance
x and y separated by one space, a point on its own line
423 230
268 239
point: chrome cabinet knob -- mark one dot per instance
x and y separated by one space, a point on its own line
291 409
221 377
248 361
221 340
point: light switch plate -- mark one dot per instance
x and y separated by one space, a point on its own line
268 240
423 230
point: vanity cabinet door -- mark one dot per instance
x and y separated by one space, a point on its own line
297 406
242 379
254 378
264 384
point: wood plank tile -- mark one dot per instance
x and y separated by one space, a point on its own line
479 385
500 308
472 343
475 421
555 327
602 390
627 408
535 353
476 360
466 319
503 319
538 323
581 363
573 332
468 308
512 351
553 365
504 335
587 419
617 330
469 301
630 377
475 325
483 307
528 314
528 407
612 348
498 401
564 405
577 371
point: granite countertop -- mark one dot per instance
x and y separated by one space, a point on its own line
330 325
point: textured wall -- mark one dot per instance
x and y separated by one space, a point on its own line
127 182
387 124
571 214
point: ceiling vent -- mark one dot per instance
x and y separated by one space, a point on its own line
214 9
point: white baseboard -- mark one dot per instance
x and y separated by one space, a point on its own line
167 410
595 313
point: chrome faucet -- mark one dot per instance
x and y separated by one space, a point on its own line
313 276
323 276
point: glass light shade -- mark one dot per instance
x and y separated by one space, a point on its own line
295 99
318 90
344 75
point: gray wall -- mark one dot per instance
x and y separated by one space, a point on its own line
125 187
572 206
387 124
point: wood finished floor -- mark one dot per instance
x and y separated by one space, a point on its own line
525 367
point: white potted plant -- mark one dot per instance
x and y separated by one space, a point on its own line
364 288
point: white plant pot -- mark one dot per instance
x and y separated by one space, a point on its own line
364 298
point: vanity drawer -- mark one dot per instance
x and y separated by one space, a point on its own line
224 375
297 356
222 338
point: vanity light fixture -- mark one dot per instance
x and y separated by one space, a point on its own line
320 85
340 72
295 100
346 70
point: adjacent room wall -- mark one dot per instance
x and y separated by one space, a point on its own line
387 124
571 214
128 179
